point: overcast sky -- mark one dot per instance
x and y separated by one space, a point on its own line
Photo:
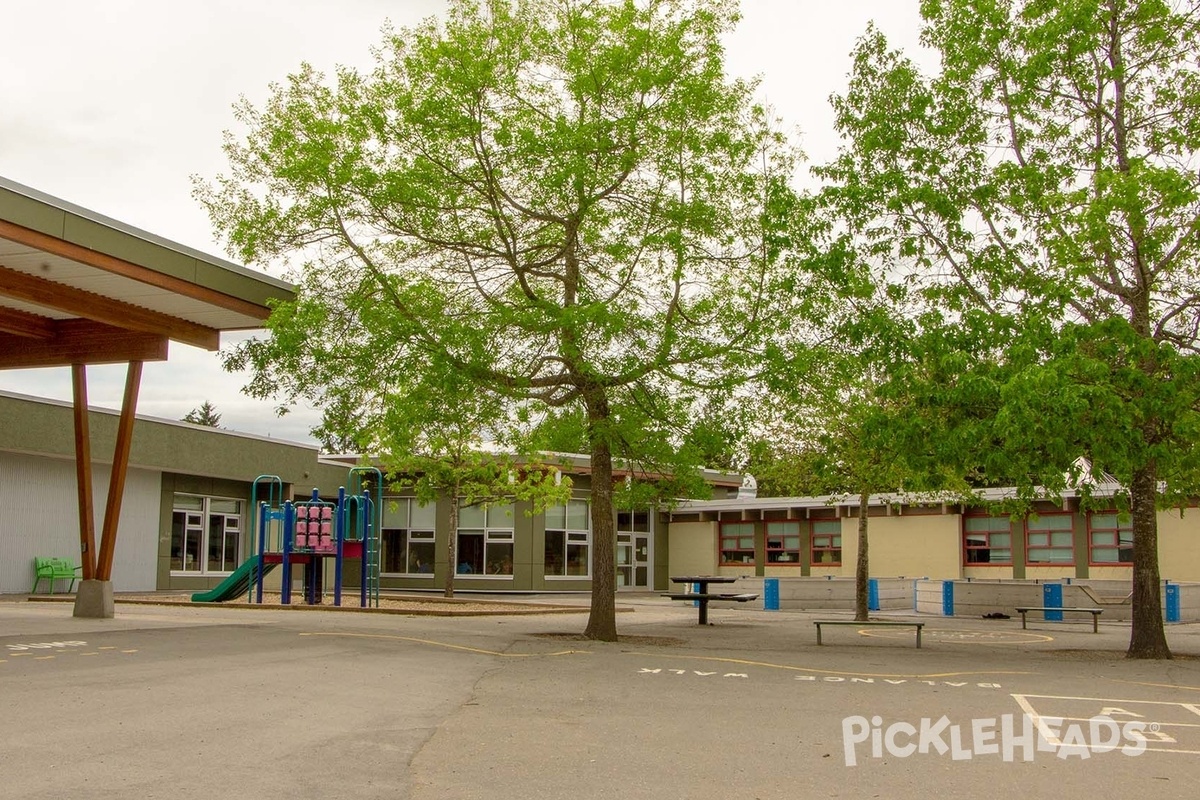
114 105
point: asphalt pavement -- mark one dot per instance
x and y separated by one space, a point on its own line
201 702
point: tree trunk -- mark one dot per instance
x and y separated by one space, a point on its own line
602 621
451 541
862 570
1147 638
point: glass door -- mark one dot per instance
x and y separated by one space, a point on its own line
624 560
634 550
641 561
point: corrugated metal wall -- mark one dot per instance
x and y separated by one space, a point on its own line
39 517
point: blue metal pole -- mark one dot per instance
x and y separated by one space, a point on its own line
289 532
262 547
339 531
362 530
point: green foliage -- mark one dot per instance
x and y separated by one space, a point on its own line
566 204
785 470
205 415
1046 179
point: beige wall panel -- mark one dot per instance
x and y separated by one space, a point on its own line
1048 573
1179 545
1124 574
693 549
925 546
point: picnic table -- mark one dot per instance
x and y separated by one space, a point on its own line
701 596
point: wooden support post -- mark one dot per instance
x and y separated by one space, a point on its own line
83 472
116 482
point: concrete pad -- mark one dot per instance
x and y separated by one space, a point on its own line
94 600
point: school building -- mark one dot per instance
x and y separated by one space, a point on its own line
186 522
818 537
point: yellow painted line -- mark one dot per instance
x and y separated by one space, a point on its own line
1156 685
18 655
43 658
825 671
129 651
109 647
89 654
446 645
946 636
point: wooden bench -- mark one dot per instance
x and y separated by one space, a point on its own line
704 598
869 624
1095 612
54 569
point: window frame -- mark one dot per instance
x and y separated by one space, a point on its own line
1049 532
493 536
582 538
204 528
740 548
796 553
814 548
968 548
407 533
1117 531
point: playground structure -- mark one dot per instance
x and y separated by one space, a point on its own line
307 533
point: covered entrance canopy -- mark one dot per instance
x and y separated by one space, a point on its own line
78 288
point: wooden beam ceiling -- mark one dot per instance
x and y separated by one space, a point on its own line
92 258
88 305
22 323
79 341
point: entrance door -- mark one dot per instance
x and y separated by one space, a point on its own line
633 554
624 560
641 561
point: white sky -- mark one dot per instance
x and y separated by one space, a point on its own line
114 105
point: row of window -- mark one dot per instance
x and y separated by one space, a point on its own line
206 537
1049 540
783 542
484 542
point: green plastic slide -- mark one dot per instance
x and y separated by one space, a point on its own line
238 583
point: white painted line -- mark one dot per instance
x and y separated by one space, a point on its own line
1153 736
1104 700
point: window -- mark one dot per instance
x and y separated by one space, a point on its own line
206 534
737 542
827 543
987 540
1110 538
485 540
783 542
1049 540
568 540
407 546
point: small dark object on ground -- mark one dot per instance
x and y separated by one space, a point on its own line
996 615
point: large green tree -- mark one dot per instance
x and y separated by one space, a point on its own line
569 203
1047 177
